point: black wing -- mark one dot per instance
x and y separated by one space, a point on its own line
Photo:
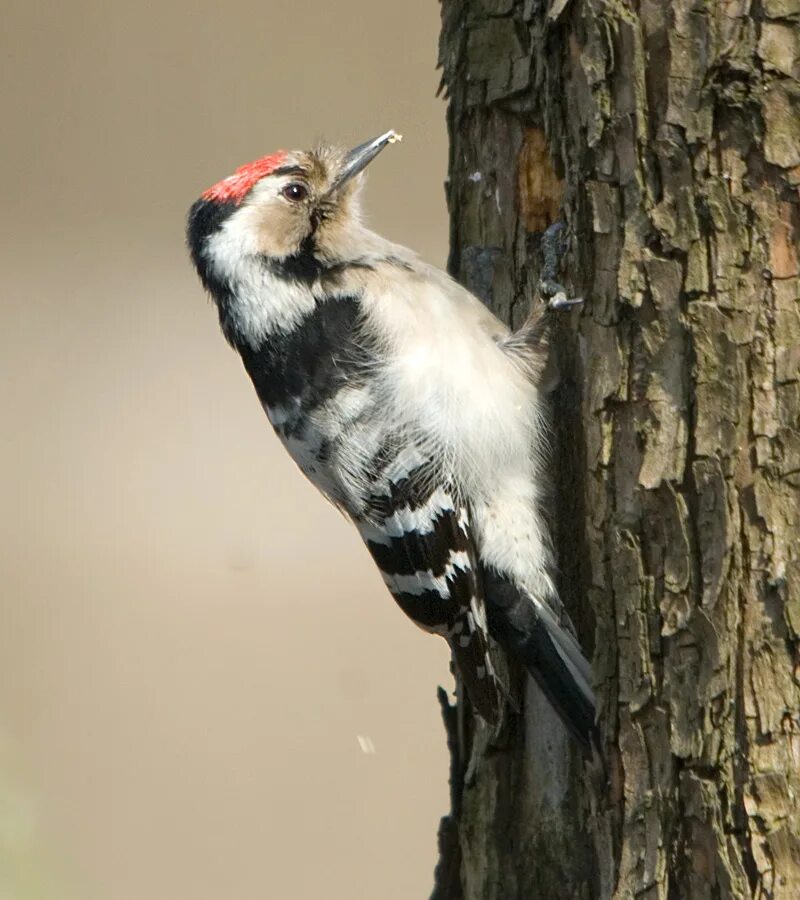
419 534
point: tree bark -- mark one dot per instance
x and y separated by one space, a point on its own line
667 136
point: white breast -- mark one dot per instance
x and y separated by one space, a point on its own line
445 377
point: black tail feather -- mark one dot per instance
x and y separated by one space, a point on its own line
529 631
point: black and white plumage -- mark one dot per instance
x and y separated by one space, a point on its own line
406 402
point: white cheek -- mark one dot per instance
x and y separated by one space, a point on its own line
262 302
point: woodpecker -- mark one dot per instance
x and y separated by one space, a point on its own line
407 403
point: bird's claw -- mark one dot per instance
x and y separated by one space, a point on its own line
556 295
562 301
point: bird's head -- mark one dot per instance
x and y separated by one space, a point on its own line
294 211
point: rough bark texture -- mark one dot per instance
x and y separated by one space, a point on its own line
667 135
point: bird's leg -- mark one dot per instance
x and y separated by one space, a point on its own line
553 249
529 342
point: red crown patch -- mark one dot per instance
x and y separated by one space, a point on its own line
234 188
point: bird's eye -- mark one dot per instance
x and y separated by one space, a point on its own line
295 191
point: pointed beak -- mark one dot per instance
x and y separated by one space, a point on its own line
361 156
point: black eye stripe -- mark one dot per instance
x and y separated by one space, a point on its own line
288 170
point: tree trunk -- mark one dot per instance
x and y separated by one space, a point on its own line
667 136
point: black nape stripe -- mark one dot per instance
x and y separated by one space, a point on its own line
205 218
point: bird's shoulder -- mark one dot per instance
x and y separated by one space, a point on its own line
402 290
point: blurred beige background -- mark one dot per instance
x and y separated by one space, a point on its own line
191 641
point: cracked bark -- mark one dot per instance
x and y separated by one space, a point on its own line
668 137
